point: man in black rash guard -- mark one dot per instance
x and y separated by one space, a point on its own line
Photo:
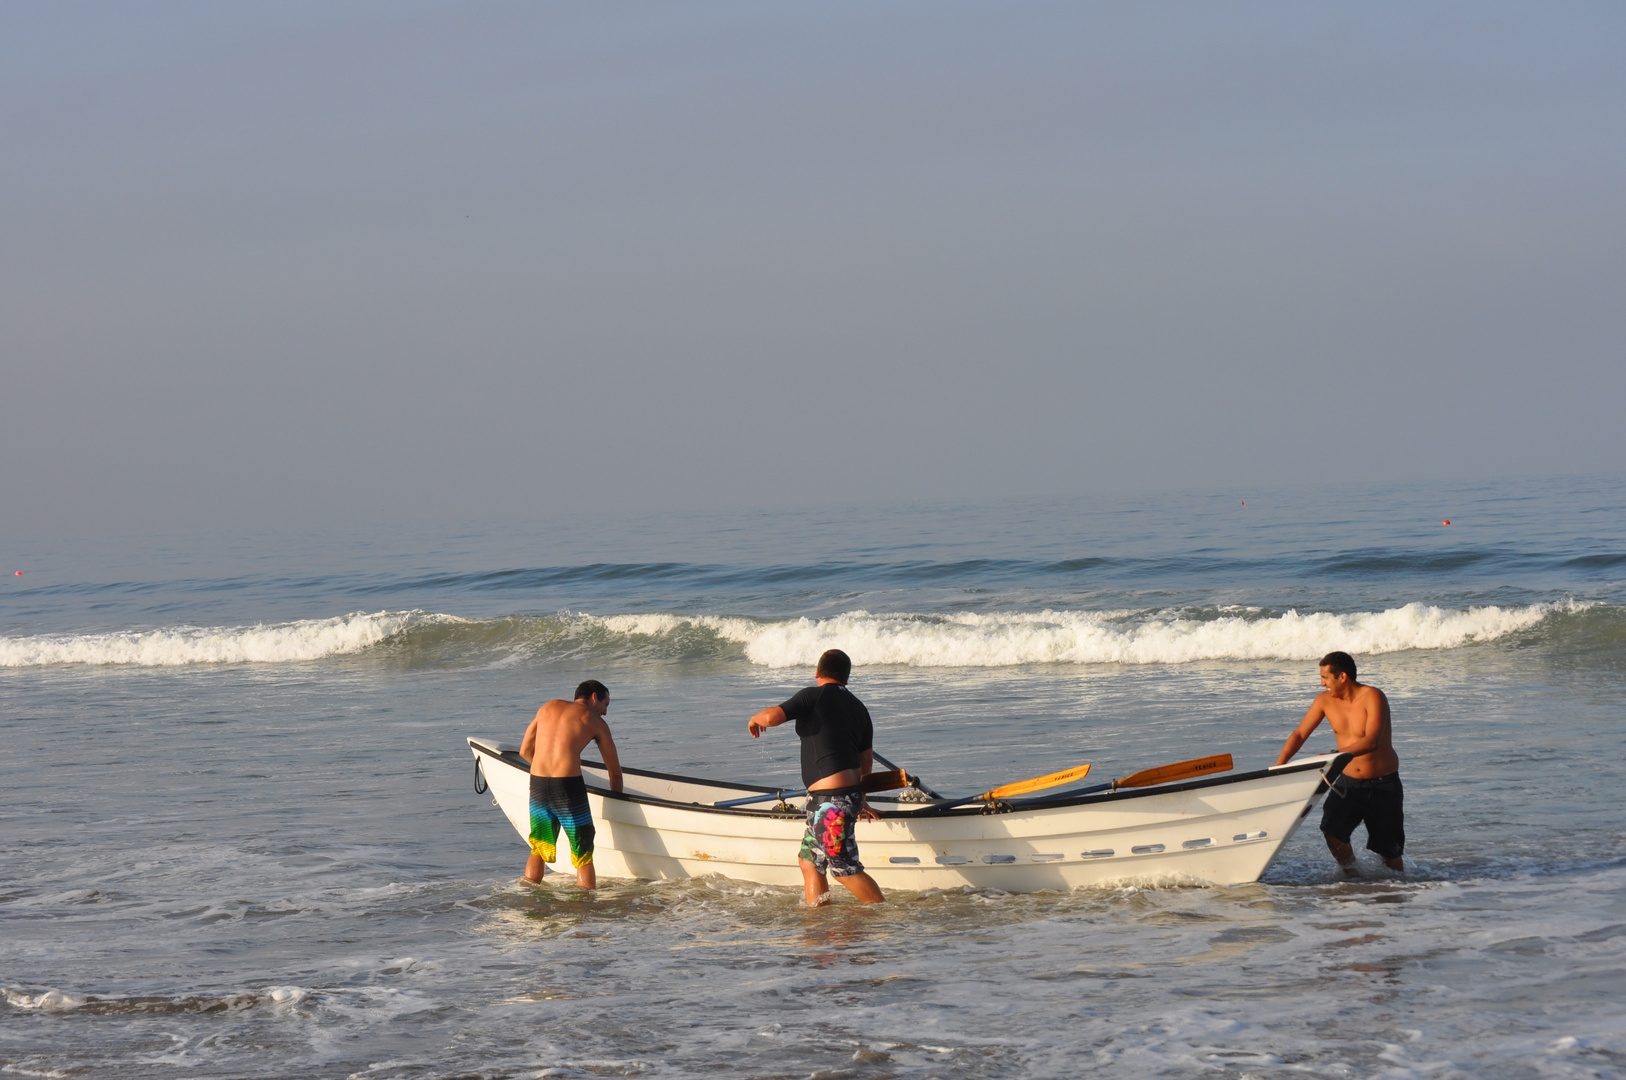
837 753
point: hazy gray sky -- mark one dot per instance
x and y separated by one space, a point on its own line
310 263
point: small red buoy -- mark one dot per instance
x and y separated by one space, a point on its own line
1447 521
19 573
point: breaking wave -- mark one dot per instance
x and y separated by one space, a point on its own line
55 1001
1081 637
306 639
970 640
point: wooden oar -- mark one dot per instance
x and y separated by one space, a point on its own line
1038 783
1164 774
875 781
919 784
1180 770
1020 787
887 781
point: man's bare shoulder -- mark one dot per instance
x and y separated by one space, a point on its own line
1367 692
558 710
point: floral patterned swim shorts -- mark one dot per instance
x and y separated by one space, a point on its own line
828 843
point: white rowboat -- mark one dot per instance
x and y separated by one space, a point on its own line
1218 830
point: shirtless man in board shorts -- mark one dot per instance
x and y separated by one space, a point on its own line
837 742
1370 788
553 744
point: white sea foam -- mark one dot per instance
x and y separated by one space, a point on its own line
994 639
1087 637
739 630
49 1001
306 639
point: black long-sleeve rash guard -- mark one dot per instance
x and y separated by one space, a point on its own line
834 726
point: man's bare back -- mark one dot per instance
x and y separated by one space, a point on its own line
561 730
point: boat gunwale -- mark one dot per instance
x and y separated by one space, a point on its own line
1319 762
490 750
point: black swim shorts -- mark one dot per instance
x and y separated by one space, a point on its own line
559 804
1378 802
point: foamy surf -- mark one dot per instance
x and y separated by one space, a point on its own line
967 640
302 640
1007 639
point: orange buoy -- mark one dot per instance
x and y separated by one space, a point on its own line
1447 521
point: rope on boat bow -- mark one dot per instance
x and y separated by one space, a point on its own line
480 785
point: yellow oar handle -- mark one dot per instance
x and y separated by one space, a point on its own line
1022 787
1180 770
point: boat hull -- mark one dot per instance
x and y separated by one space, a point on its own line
1221 831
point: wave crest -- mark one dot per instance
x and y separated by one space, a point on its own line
971 640
306 639
1082 637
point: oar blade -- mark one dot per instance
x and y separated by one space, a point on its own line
1038 783
886 781
1180 770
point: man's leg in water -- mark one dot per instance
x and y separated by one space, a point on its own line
814 884
586 877
544 830
862 886
1344 854
1346 858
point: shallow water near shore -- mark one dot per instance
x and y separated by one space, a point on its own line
241 837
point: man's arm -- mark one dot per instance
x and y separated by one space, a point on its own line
772 716
527 745
1306 726
866 765
606 749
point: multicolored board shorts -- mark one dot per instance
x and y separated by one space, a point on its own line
560 802
828 843
1379 802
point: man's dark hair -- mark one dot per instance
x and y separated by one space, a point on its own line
592 688
1339 662
835 664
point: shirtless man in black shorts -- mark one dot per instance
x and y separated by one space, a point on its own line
1370 788
837 742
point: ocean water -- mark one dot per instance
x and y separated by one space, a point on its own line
240 837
